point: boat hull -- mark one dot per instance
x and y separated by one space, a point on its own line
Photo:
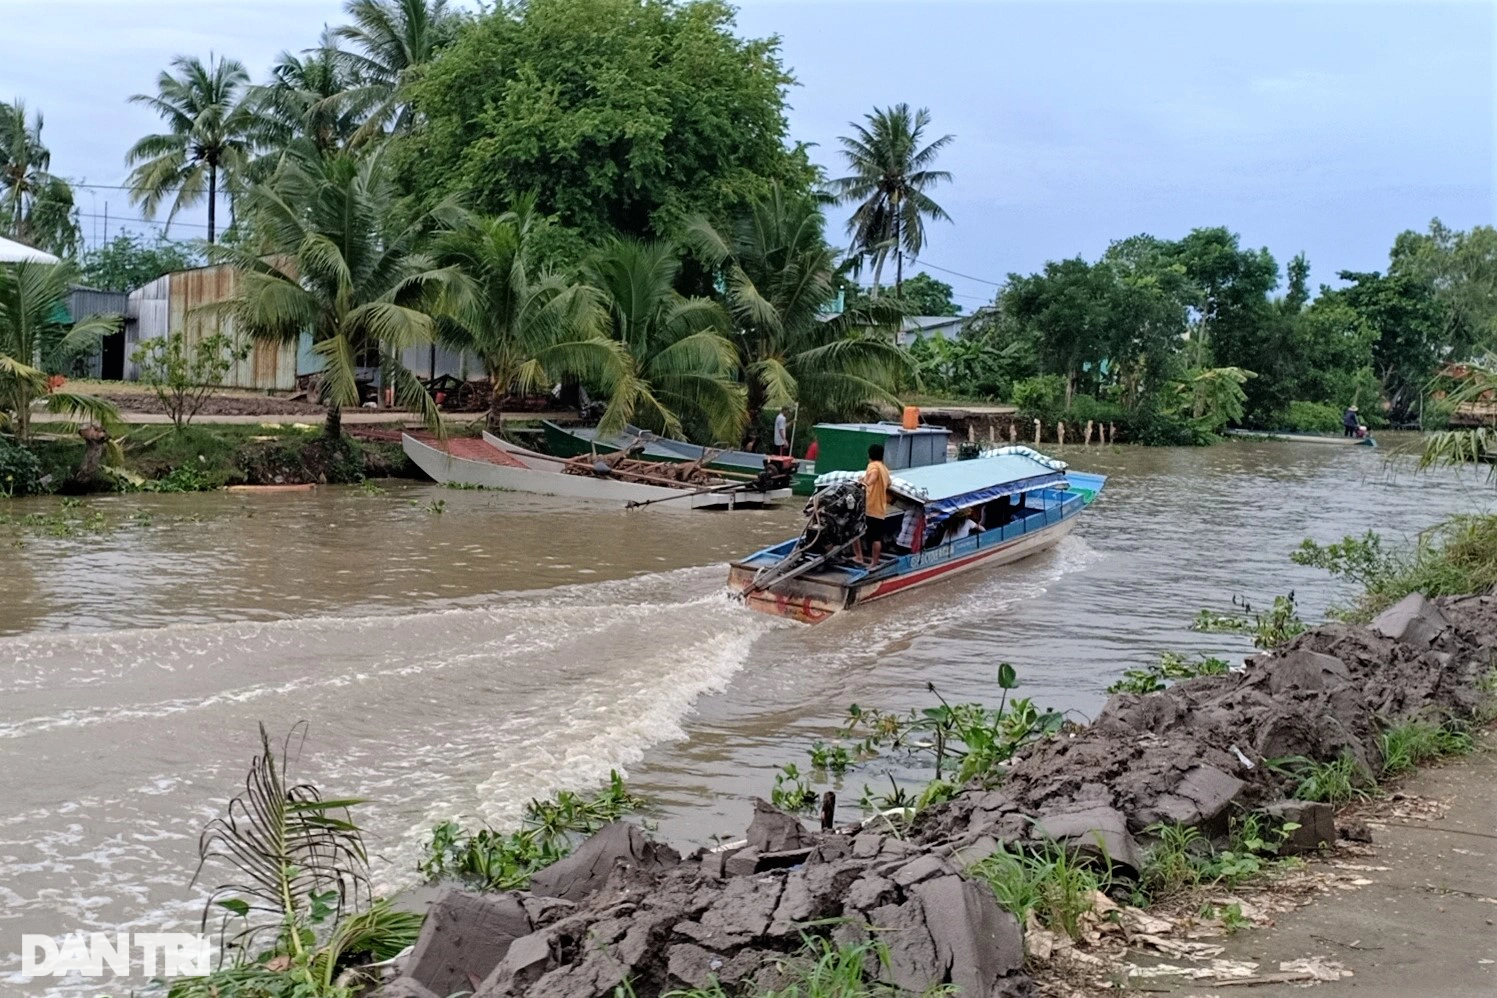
739 465
494 463
1305 438
812 600
830 588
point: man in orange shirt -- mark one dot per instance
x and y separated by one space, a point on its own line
875 501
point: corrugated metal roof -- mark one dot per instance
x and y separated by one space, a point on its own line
957 478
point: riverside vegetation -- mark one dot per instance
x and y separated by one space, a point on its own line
648 227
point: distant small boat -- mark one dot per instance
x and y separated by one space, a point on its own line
1306 438
494 463
812 577
574 441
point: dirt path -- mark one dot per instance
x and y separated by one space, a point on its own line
1426 925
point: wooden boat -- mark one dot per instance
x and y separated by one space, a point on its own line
742 465
795 581
493 463
1306 438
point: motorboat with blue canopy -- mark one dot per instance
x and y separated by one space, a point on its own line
1005 505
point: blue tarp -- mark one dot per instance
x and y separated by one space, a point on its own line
960 484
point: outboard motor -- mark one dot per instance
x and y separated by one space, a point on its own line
834 517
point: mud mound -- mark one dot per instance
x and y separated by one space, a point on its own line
624 909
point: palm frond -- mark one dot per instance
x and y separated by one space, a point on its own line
80 406
340 380
282 843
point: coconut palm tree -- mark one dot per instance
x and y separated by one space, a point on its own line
890 173
392 37
36 338
208 143
528 328
777 273
335 267
685 366
307 101
36 207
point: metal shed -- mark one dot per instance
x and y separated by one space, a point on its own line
175 303
108 360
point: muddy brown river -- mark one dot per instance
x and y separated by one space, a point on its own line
455 664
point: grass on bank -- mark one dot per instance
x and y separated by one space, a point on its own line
210 456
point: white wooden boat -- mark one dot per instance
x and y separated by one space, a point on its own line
790 580
1326 439
493 463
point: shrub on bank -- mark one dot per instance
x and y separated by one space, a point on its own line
20 471
1312 417
1452 558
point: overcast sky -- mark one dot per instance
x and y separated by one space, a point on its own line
1325 127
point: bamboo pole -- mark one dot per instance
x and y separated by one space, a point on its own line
1036 432
1060 433
1013 432
1087 442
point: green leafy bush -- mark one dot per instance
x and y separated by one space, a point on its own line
1041 397
20 471
1312 417
1452 558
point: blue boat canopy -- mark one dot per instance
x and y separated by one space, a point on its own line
946 488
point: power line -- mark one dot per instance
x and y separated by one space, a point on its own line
123 219
944 270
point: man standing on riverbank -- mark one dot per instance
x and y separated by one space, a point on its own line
781 434
875 501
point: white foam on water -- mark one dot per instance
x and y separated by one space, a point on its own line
460 711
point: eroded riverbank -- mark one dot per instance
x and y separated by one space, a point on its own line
506 647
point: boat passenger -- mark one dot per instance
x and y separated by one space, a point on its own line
875 502
1350 422
911 526
964 525
781 436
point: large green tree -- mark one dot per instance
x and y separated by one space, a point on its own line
622 116
337 263
1461 269
128 260
778 272
685 367
530 328
36 339
1408 321
1069 306
36 205
921 295
208 142
890 172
